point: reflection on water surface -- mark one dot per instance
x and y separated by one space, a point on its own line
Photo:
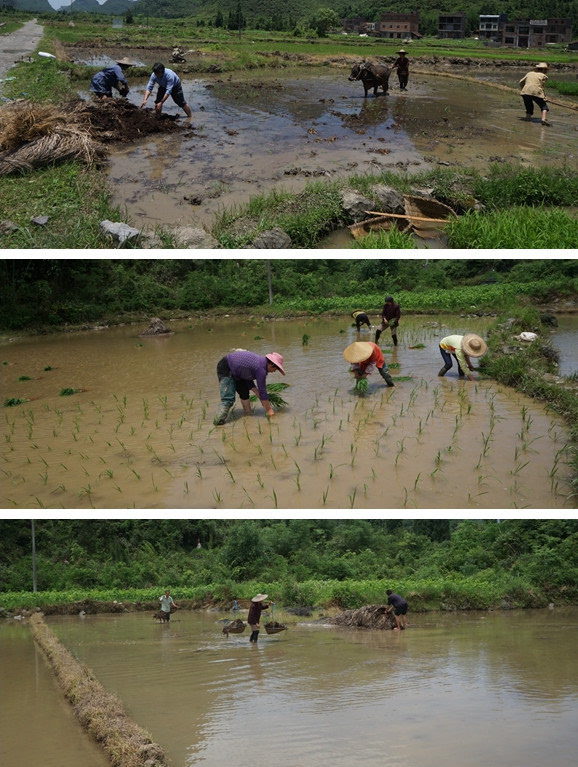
473 688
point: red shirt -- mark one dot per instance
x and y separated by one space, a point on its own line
375 359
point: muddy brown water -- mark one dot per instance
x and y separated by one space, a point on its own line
141 435
475 689
253 132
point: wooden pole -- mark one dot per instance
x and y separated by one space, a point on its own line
405 215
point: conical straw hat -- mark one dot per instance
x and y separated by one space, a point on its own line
358 351
474 346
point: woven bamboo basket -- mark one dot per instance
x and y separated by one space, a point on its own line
234 627
273 627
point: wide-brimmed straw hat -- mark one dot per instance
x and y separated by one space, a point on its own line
125 62
541 65
277 360
402 51
474 346
356 312
358 351
260 598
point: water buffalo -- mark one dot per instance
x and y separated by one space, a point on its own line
371 75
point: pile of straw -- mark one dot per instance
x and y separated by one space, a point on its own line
368 617
36 135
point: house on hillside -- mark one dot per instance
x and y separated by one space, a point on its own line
452 26
357 25
491 26
536 33
398 26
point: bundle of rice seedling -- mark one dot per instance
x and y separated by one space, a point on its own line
275 398
362 385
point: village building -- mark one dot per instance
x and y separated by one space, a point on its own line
491 26
398 26
357 25
536 33
452 26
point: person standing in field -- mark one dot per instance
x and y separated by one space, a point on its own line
533 91
399 607
169 85
402 66
167 603
390 316
237 373
461 348
104 81
257 607
363 356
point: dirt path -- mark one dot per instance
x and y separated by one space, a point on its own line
19 43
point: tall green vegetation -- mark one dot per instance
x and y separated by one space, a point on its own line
468 563
50 292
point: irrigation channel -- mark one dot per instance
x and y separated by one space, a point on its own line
252 132
475 689
138 431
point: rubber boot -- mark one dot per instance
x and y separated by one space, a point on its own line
256 633
443 371
386 377
221 415
377 334
394 338
253 637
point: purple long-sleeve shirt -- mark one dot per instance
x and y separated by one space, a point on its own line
248 366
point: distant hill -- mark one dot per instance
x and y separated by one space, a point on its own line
34 6
111 7
285 14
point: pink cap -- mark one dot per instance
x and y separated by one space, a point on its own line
277 360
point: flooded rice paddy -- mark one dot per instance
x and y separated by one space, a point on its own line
472 689
138 432
252 132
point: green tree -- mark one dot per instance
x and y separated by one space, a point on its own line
323 20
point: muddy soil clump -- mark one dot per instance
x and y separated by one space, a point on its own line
120 122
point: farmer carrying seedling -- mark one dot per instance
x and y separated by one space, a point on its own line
390 316
363 356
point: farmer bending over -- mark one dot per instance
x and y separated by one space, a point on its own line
111 77
461 348
362 356
361 318
399 607
169 85
237 373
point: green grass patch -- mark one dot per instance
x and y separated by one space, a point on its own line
506 186
519 228
74 198
305 217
